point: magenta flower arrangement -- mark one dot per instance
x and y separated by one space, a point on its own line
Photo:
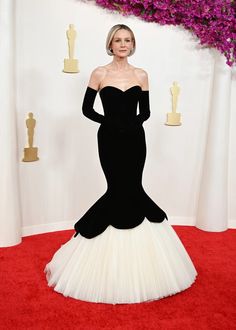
212 21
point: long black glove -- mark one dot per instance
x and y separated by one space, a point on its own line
90 113
144 107
87 106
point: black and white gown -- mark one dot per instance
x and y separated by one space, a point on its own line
124 249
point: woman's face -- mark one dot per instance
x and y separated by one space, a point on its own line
122 43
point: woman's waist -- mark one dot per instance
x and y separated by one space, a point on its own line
121 127
121 120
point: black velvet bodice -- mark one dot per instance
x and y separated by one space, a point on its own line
123 106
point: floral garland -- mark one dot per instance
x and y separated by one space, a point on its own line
212 21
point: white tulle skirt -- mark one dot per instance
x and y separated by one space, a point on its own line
144 263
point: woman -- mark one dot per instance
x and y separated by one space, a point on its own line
124 250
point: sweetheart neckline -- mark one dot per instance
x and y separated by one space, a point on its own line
119 88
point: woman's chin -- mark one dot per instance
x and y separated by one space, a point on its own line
122 55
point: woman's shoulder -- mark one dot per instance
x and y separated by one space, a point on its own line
100 71
142 77
140 73
96 77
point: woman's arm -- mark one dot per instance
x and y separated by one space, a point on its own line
90 95
96 78
142 77
144 106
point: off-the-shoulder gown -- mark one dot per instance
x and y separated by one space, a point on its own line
124 249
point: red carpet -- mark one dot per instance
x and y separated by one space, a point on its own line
28 303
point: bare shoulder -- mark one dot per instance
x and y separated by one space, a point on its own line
142 76
97 76
99 72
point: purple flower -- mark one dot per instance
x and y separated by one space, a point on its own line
213 22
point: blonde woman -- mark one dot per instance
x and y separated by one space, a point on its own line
124 250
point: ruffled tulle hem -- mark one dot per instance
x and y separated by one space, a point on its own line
119 266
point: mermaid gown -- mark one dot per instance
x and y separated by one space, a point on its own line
124 250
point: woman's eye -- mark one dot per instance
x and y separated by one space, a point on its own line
119 40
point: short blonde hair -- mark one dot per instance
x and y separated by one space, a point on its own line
111 34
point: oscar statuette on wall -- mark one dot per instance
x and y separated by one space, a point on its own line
30 153
173 118
71 64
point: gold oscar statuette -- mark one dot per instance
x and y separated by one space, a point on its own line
173 118
71 64
30 153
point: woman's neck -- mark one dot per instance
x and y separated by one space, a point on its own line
120 64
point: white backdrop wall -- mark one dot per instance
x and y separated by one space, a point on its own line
67 180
